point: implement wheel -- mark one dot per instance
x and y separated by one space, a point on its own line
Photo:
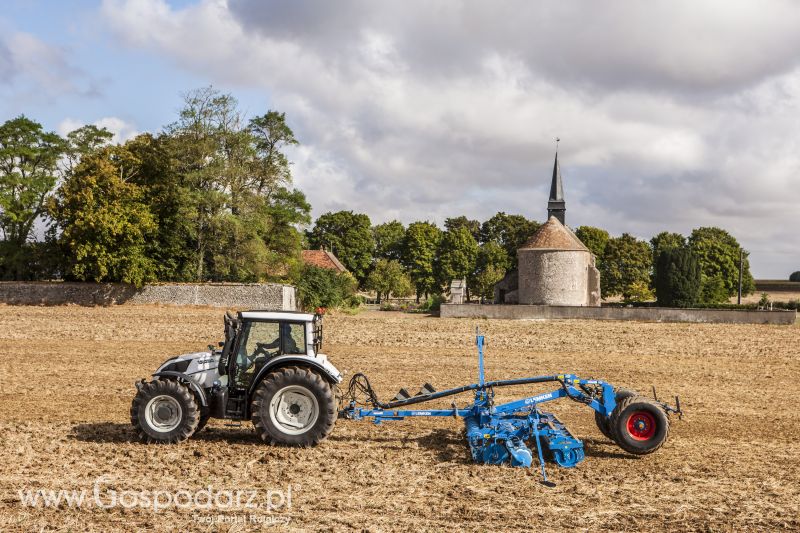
640 425
603 422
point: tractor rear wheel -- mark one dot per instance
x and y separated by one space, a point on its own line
294 406
603 421
164 411
640 425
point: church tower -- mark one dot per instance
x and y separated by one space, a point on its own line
556 207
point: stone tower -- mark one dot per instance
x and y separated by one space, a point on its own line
555 268
556 207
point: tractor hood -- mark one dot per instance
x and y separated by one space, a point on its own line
201 367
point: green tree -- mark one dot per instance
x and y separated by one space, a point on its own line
389 240
105 225
420 247
473 226
349 236
233 185
29 158
491 266
626 267
388 279
678 278
662 242
595 239
323 287
795 276
509 231
718 254
458 251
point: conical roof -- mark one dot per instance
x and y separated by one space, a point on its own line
553 235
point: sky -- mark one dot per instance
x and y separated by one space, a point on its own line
672 114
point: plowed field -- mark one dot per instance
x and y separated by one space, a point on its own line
733 463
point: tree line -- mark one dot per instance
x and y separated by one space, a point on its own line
207 199
210 198
422 258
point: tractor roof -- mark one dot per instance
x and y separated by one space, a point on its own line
293 316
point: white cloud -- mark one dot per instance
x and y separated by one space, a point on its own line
39 70
122 130
673 115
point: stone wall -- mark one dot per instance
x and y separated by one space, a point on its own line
644 314
239 295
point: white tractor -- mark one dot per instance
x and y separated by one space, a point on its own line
269 369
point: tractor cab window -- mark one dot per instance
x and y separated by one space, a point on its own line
294 338
263 340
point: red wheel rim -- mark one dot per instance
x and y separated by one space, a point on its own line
641 425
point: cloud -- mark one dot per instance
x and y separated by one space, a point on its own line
123 131
673 115
36 69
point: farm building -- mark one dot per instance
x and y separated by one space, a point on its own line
323 259
554 267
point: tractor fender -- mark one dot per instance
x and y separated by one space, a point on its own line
184 378
325 368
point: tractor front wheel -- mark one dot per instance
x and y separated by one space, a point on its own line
164 411
294 406
640 425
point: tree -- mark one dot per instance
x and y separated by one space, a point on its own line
795 276
349 236
29 159
389 279
595 239
662 242
456 256
509 231
678 277
389 240
323 287
491 266
420 247
718 254
233 184
626 267
473 226
105 225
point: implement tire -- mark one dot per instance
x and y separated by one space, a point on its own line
164 411
640 425
603 421
293 406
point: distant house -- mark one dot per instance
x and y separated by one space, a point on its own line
323 259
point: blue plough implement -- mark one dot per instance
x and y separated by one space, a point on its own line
497 434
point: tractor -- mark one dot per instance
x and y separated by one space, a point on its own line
269 369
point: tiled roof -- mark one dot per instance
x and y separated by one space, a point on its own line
322 259
553 235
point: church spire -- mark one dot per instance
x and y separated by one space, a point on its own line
556 207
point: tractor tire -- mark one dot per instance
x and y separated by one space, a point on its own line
164 411
205 415
603 421
293 406
640 425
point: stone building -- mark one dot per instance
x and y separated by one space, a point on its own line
553 266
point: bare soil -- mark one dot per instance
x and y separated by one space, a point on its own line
733 463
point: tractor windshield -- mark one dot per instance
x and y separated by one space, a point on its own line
264 340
